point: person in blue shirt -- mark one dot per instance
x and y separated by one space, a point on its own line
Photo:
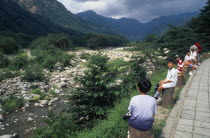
142 108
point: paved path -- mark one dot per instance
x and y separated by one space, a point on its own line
191 116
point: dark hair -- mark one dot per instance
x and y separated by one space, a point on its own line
170 61
144 85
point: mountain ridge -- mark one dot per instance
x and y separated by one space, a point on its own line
132 28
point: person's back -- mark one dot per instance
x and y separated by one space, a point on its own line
143 109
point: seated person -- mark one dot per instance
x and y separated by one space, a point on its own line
142 108
170 81
188 62
193 56
180 64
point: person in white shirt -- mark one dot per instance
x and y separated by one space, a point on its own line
170 81
193 56
194 47
188 62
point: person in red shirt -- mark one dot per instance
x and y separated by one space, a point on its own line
180 65
200 49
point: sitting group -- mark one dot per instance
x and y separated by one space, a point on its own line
191 60
142 108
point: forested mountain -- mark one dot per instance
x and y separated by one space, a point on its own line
16 19
134 29
57 13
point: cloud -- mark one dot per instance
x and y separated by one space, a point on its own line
142 10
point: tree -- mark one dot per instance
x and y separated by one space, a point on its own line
201 26
9 45
97 92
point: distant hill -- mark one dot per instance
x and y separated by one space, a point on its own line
58 14
134 29
15 19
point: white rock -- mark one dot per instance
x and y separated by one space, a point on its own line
41 105
6 136
30 119
23 92
57 91
27 98
36 104
43 102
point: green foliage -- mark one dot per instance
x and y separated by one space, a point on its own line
85 56
59 126
114 126
135 72
200 25
61 41
19 61
12 103
4 60
23 40
150 38
8 45
95 41
97 93
39 92
33 73
116 64
6 73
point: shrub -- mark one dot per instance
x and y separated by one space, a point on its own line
85 56
19 61
60 126
117 63
39 92
6 73
12 103
60 41
97 93
4 60
33 73
9 45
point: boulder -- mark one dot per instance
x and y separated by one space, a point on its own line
57 91
30 119
43 102
36 104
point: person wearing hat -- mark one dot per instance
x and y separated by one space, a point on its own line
180 65
194 47
200 49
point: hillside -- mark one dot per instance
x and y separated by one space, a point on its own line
134 29
57 13
16 19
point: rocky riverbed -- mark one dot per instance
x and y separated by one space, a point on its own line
30 116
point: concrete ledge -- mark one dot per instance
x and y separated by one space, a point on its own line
173 118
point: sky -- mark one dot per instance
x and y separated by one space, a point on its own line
142 10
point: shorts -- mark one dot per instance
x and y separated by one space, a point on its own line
191 65
168 85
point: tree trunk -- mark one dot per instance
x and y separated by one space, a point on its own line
168 97
181 80
186 70
134 133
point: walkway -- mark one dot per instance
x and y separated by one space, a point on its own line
190 118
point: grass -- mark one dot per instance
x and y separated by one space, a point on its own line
12 103
114 126
39 92
117 63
